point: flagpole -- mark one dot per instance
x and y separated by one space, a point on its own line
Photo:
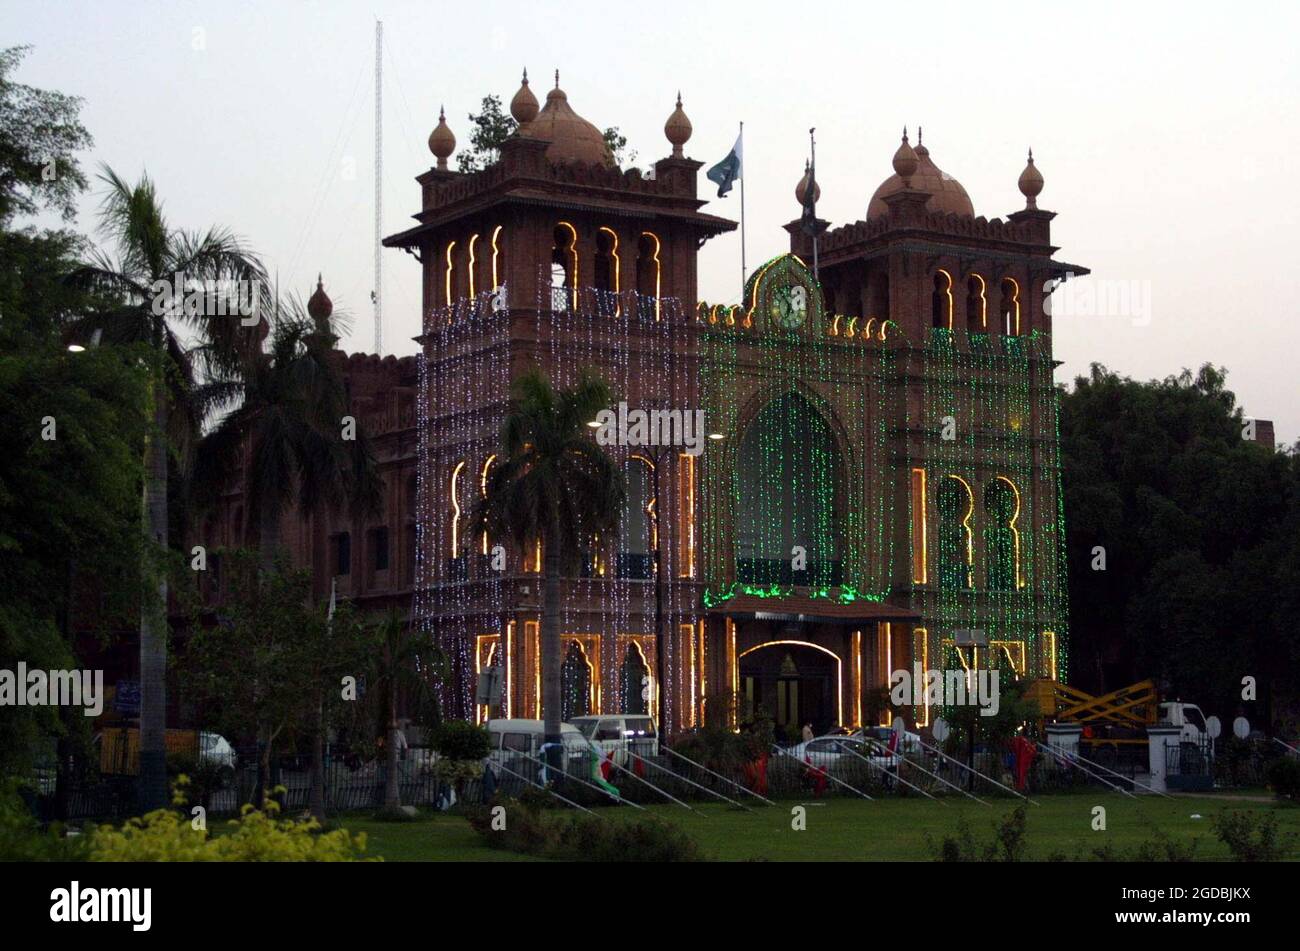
812 179
744 270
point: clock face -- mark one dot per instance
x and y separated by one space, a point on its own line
790 307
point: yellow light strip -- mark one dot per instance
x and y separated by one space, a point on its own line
658 268
496 251
703 674
921 569
984 304
618 285
686 484
856 641
889 665
1050 638
532 638
921 639
947 291
450 268
687 634
573 253
733 669
483 488
508 702
1015 532
970 536
455 507
473 259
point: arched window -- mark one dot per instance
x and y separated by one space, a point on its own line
956 545
449 265
636 527
634 681
1010 309
941 300
498 258
472 271
648 276
977 313
1002 538
457 562
575 683
606 269
564 266
788 480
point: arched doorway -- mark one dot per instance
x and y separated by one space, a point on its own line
788 480
794 682
634 682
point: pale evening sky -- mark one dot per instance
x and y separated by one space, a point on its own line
1166 132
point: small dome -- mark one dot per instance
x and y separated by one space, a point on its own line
1031 182
946 193
801 189
319 305
524 106
678 128
441 140
572 138
905 160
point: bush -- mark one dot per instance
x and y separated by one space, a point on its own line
21 838
1007 845
1251 837
167 835
1283 778
581 838
460 740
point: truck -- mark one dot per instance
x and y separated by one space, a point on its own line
1120 716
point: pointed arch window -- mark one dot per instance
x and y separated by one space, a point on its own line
977 306
1010 309
564 267
1002 536
941 300
956 504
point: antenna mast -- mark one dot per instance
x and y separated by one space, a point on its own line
377 295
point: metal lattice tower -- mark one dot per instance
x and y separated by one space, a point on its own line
377 295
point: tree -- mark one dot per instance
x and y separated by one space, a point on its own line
492 126
152 259
1192 522
556 485
286 407
402 665
40 134
69 503
260 666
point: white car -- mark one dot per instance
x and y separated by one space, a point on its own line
620 734
909 743
826 752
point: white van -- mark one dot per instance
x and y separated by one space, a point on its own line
621 733
521 738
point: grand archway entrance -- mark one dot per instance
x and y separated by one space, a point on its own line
793 682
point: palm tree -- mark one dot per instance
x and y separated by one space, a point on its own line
557 486
402 665
285 406
148 251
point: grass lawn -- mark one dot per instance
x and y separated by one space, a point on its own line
857 830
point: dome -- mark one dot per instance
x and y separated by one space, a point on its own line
572 138
801 189
1031 182
678 128
442 142
319 305
946 193
524 106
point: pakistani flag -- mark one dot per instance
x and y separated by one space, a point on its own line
725 173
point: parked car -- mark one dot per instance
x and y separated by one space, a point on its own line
621 733
827 752
909 743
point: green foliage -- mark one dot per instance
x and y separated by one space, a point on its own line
583 838
726 751
1251 836
462 740
1160 476
167 835
40 134
21 838
1283 775
1006 845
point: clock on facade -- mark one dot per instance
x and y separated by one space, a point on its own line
790 306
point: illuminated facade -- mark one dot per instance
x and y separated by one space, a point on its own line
883 467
